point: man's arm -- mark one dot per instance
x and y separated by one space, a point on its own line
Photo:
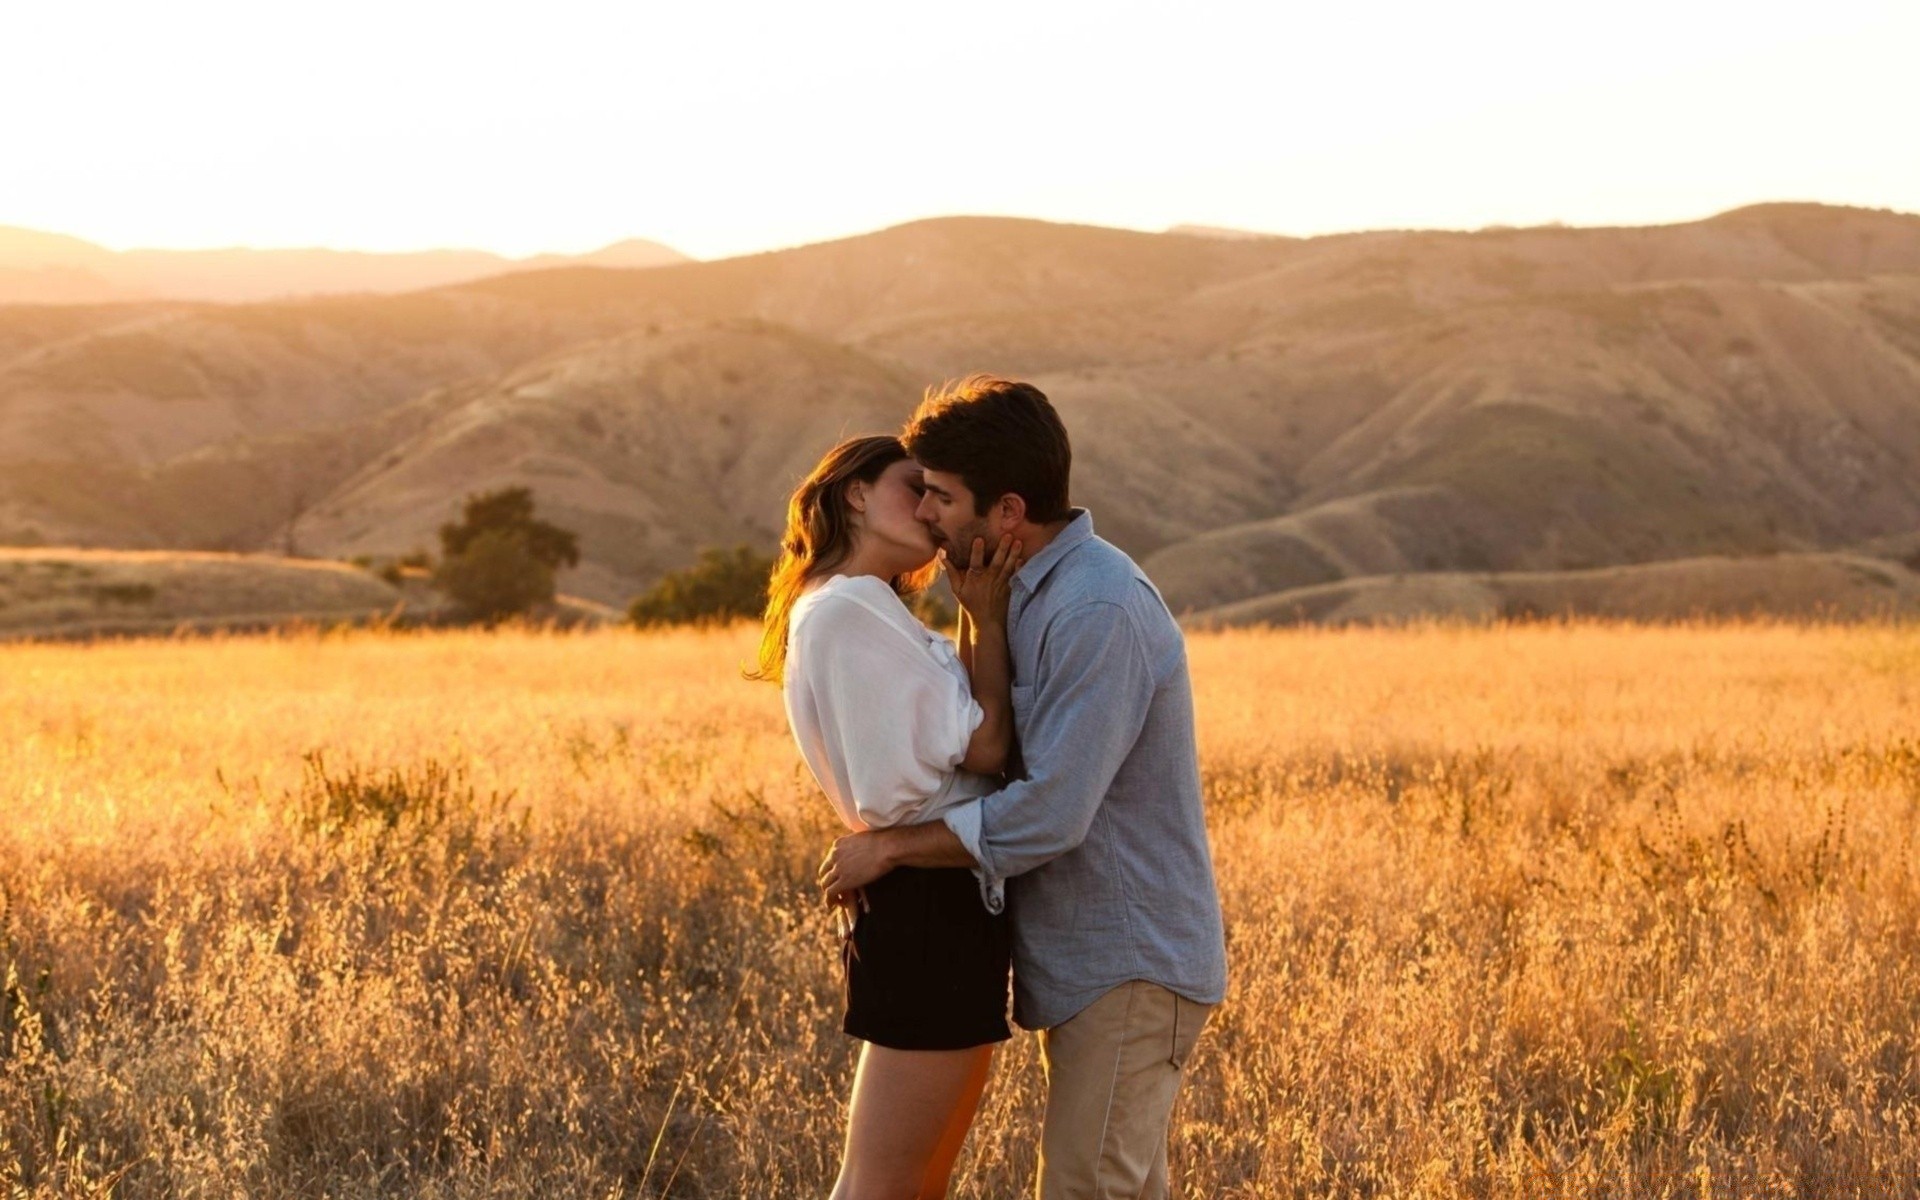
1095 689
860 858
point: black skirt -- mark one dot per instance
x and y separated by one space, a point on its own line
927 964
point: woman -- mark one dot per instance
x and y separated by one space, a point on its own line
896 725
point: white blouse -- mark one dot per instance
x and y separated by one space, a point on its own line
880 704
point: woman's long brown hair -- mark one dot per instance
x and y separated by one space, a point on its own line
819 537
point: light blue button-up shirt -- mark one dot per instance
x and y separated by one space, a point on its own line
1103 844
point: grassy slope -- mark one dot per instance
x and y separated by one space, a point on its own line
67 592
70 591
1512 912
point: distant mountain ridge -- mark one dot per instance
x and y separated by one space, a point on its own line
1218 231
51 268
1251 417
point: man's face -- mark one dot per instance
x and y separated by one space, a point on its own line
946 507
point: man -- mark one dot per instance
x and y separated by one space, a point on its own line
1118 951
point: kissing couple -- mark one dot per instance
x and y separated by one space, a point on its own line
1028 799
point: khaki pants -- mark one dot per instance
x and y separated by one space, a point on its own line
1112 1072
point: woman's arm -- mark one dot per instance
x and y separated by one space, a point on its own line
991 675
963 638
985 592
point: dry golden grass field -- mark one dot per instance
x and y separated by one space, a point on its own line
1515 911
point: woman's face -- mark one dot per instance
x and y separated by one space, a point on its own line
888 519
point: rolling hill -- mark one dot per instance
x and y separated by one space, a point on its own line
1797 586
1251 416
77 593
51 268
107 591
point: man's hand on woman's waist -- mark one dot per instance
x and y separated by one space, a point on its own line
858 859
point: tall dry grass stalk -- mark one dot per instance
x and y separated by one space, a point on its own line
1527 911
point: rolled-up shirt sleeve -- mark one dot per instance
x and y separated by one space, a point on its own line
1092 696
895 722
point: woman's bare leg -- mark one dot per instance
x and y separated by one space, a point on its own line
908 1119
940 1168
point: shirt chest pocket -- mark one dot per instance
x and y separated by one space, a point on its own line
1022 704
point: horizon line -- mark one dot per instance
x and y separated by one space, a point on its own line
1173 229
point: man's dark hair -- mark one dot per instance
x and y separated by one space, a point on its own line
998 436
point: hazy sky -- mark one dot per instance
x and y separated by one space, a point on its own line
726 128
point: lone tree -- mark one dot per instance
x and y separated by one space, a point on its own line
498 559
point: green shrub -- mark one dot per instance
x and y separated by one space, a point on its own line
935 608
731 585
123 593
724 585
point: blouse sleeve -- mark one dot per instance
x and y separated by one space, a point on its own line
894 719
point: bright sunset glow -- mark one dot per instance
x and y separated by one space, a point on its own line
727 128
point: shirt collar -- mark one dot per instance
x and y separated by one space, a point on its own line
1078 530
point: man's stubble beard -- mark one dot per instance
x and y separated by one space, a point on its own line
961 547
